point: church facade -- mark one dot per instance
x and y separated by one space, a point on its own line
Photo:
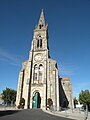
39 76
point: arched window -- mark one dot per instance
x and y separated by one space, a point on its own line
40 72
37 43
40 43
35 72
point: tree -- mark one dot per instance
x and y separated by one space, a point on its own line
9 96
84 97
75 102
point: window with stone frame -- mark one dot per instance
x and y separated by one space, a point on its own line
40 43
37 43
40 72
35 72
40 26
40 75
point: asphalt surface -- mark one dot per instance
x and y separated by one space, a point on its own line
32 114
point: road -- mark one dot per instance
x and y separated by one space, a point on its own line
32 114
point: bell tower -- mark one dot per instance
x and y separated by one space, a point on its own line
40 37
39 54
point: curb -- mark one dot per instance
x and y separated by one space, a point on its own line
73 116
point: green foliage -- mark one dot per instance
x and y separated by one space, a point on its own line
22 103
49 102
84 97
9 95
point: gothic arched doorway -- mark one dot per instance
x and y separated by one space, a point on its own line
36 103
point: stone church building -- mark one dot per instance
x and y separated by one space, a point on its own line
39 76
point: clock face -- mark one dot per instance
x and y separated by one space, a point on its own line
38 57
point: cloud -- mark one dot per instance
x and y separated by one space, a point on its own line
5 54
83 85
66 72
66 69
8 57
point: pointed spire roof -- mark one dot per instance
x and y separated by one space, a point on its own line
41 24
41 19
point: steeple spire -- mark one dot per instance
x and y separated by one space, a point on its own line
41 22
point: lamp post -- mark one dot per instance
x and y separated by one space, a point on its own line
86 112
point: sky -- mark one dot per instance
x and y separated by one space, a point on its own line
69 38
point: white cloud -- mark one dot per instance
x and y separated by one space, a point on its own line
9 58
66 69
66 72
83 85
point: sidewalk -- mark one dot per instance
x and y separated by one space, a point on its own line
75 114
3 108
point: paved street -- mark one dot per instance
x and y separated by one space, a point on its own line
28 115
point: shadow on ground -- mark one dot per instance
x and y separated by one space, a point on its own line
8 112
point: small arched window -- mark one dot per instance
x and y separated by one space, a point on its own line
40 26
37 43
40 43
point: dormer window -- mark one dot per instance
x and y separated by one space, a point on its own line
40 26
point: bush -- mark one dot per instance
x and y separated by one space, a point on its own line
20 107
21 104
49 103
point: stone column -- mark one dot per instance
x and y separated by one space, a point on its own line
44 96
27 85
48 81
45 86
57 90
54 90
26 95
19 89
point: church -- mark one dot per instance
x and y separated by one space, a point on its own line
39 76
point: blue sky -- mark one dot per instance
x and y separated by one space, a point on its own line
69 38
